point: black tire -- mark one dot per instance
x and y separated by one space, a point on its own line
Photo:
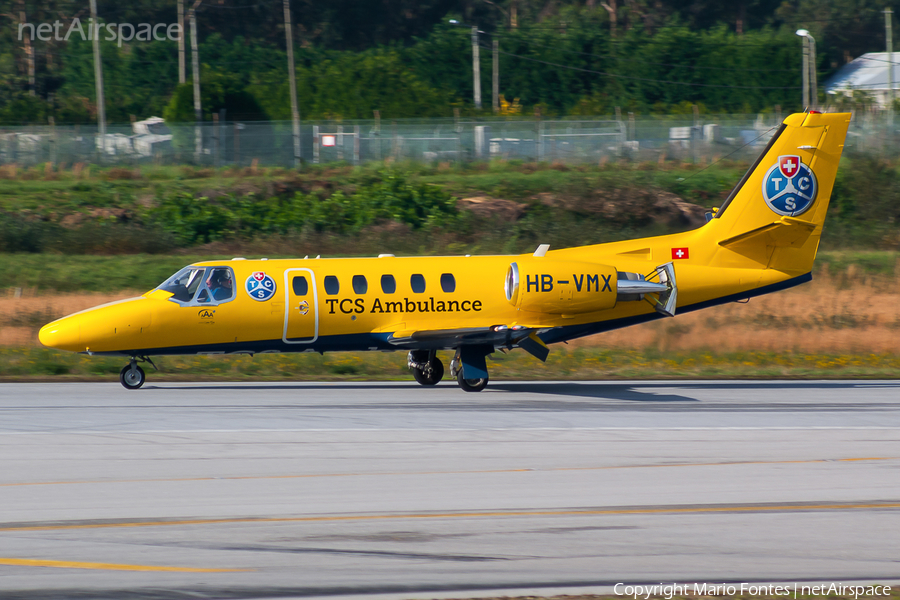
437 373
132 380
471 385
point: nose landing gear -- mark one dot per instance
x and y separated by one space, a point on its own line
132 376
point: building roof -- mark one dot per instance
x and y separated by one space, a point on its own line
869 72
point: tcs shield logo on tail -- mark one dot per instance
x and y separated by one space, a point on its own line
790 187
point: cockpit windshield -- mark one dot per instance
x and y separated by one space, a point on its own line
202 285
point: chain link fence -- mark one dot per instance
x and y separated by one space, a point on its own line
271 143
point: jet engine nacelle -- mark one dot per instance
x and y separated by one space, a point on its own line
561 287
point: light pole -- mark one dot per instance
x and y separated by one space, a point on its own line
810 84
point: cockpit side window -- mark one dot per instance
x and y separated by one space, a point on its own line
201 286
183 284
220 283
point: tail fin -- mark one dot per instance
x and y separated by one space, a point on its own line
774 217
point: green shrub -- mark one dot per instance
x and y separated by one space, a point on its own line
390 197
21 234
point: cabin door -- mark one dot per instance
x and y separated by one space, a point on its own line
301 311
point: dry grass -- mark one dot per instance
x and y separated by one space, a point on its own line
848 315
20 318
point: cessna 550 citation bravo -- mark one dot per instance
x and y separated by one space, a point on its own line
763 239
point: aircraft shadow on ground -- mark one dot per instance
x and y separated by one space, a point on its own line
599 390
596 390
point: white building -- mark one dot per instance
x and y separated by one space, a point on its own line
868 73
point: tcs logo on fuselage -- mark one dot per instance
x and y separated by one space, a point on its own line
260 286
790 187
544 282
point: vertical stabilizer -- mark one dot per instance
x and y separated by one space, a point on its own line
774 217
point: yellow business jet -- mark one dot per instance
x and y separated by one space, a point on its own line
762 239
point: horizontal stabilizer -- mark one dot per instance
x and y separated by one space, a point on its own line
787 232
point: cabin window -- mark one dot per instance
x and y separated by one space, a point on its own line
388 284
332 286
360 285
417 282
300 285
448 283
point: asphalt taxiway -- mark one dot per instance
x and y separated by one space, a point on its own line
359 489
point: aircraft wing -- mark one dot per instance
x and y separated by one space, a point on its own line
520 336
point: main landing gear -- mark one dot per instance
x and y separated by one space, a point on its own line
470 368
132 376
427 368
471 385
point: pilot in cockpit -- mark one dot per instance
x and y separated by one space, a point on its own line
220 284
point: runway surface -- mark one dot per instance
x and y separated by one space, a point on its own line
346 489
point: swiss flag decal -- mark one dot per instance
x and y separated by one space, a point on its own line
789 165
680 253
259 275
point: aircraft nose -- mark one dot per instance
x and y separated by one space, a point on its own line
63 334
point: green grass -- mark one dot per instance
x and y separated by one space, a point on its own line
868 262
48 273
563 363
61 273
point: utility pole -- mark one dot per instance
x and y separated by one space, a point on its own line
805 73
496 80
292 81
888 32
195 72
181 76
476 68
98 74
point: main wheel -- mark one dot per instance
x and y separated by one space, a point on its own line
436 374
471 385
132 378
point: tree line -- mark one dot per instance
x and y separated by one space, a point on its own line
404 59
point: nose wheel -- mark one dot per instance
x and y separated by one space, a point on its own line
132 376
